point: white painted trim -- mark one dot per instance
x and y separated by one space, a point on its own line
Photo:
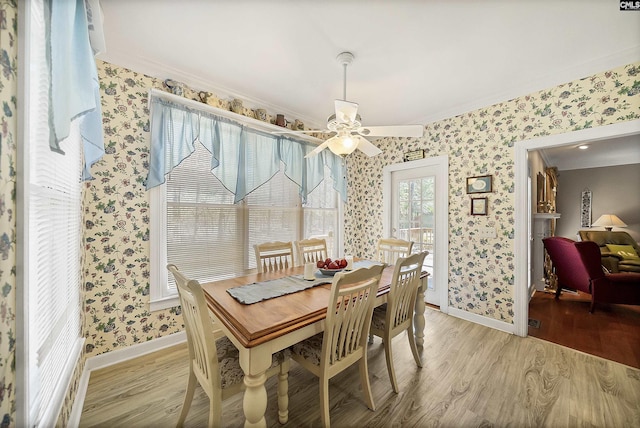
441 253
120 355
159 295
22 386
522 206
114 357
244 120
482 320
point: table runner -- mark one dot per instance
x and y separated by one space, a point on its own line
259 291
264 290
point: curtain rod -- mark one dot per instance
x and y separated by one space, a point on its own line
245 120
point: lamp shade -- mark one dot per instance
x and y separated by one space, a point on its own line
609 221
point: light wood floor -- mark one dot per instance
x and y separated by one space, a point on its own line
473 376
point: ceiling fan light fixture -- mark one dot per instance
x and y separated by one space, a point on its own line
342 144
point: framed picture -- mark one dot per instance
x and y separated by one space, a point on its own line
585 208
481 184
479 206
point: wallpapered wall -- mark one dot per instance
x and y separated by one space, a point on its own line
481 272
8 141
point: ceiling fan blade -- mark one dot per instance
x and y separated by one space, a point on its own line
346 111
318 149
392 131
366 146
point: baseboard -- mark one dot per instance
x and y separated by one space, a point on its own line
482 320
115 357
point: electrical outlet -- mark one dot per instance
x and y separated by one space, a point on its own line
486 232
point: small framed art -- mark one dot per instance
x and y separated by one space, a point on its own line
479 206
481 184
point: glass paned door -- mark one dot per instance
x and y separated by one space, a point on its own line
413 215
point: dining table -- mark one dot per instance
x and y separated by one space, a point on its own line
260 329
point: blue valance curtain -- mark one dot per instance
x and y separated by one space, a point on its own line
75 89
242 158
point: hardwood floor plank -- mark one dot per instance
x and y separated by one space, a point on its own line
611 332
473 376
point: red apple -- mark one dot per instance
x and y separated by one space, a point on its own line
342 263
320 264
334 265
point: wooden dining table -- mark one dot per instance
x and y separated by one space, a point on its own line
259 330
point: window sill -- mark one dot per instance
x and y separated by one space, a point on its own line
164 303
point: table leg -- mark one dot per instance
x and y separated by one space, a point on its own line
418 318
255 400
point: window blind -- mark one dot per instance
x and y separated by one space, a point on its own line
196 225
54 218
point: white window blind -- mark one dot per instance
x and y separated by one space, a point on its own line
53 219
196 226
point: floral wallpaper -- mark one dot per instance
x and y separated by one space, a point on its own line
481 142
116 220
8 141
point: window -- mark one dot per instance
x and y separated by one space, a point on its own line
49 321
196 226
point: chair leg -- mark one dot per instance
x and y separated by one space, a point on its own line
414 348
283 392
558 291
370 338
366 385
389 357
215 410
188 398
324 402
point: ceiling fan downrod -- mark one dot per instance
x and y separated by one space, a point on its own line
345 58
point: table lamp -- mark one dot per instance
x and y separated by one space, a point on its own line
608 221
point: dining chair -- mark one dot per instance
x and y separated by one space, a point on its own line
214 364
274 256
311 250
389 249
344 341
396 316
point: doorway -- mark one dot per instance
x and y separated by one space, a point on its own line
415 208
523 206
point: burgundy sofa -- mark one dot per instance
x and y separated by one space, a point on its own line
578 266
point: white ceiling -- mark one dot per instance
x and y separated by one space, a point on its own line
415 61
610 152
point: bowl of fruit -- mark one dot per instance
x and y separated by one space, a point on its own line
331 267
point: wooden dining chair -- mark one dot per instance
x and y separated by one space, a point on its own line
274 256
396 316
311 250
215 363
344 341
389 249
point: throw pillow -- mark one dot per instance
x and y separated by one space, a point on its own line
625 251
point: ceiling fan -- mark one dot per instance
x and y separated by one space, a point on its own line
346 124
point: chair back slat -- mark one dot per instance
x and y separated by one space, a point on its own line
202 348
390 249
349 315
274 256
404 288
311 250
